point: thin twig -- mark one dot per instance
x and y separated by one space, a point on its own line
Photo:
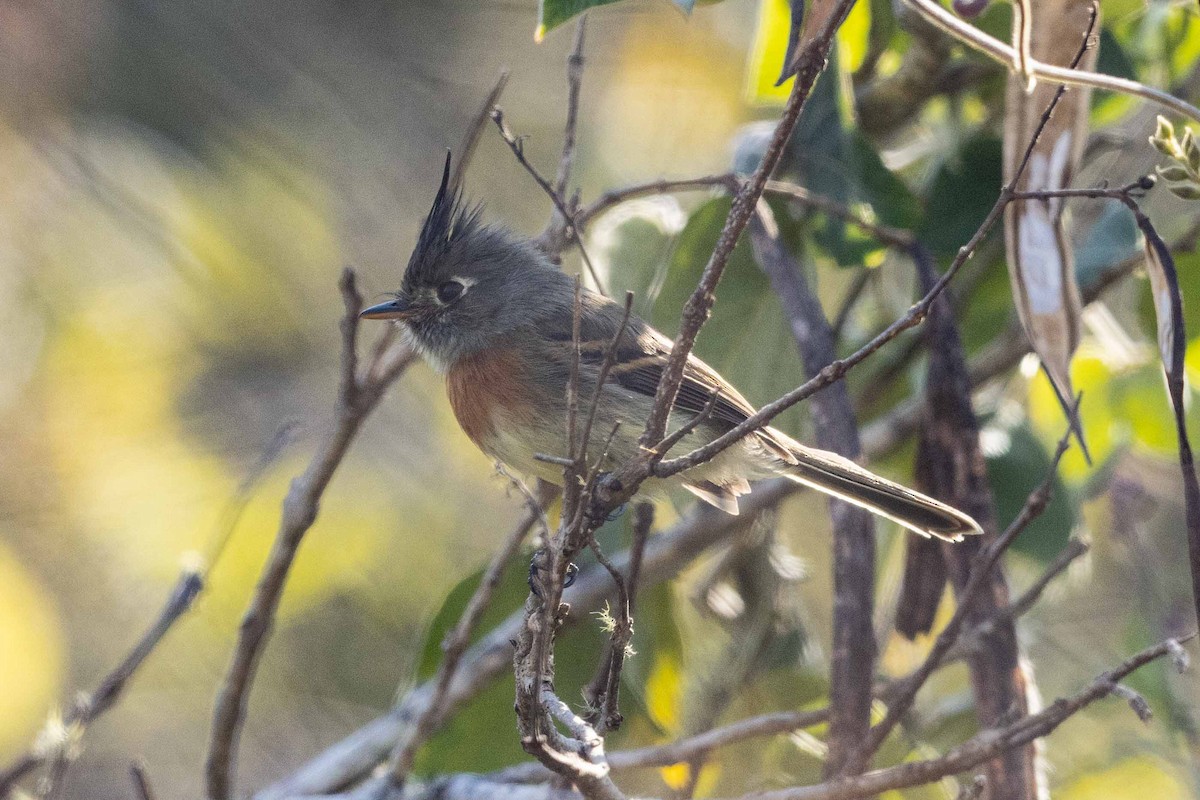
1134 189
985 562
853 294
677 436
885 234
1075 549
141 781
518 149
1066 76
574 83
685 750
356 399
970 640
809 65
610 358
88 707
349 759
558 232
643 522
573 447
980 748
837 369
727 181
732 184
665 554
603 695
456 640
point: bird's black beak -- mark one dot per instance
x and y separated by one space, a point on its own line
392 309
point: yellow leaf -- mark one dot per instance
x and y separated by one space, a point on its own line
1132 779
664 689
853 37
767 53
1091 375
676 776
31 656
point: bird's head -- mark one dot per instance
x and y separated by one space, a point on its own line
467 283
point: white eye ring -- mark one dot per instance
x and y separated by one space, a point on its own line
452 289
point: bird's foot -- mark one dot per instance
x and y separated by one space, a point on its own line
538 565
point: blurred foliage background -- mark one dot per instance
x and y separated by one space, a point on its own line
182 184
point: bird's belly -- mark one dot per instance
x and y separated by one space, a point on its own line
515 445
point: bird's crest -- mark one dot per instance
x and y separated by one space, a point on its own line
449 221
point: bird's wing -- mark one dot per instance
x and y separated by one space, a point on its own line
640 358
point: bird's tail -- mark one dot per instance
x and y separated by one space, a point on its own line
830 473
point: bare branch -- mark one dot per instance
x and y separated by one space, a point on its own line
88 707
809 65
666 553
999 51
837 369
970 640
852 664
457 639
610 358
731 183
574 83
689 749
356 399
985 562
980 748
977 750
518 150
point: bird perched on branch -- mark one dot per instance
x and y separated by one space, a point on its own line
487 309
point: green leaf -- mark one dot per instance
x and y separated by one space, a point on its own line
962 193
1165 146
1174 173
1187 47
636 248
1139 398
1186 191
1191 151
894 204
552 13
841 164
483 735
1164 130
1017 463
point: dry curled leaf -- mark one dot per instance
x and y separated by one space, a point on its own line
1040 258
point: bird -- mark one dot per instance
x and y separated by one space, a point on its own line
490 311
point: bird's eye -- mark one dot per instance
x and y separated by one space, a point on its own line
450 291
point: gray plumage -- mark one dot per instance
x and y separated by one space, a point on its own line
486 307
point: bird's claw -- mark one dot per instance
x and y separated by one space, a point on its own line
537 564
